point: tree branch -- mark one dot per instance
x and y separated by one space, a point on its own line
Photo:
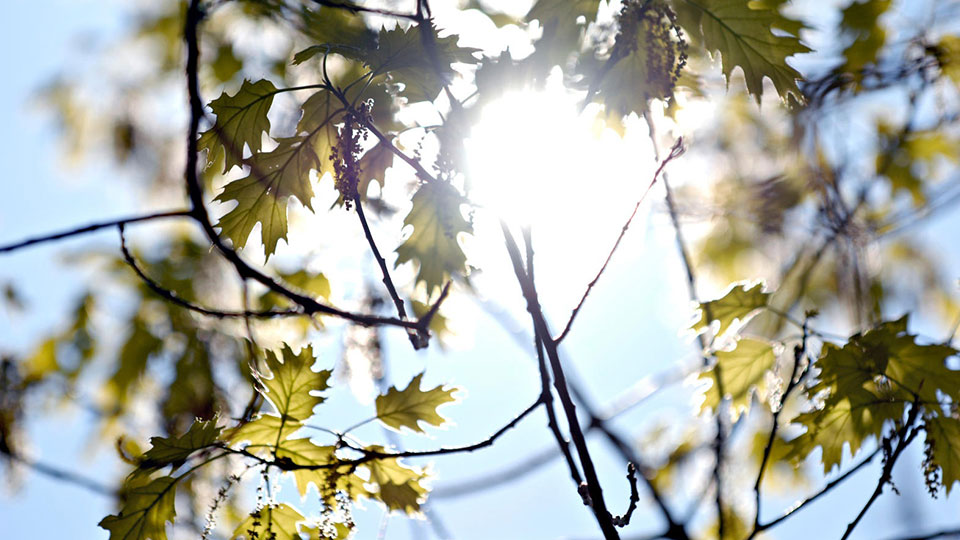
593 488
904 437
675 152
93 227
826 489
173 297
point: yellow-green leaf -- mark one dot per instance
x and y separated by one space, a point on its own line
399 485
422 71
174 450
272 522
241 120
410 406
738 304
291 390
740 370
943 434
742 31
860 23
262 196
145 512
437 222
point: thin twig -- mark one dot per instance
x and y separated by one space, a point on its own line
562 444
623 521
945 533
826 489
93 227
675 152
904 437
417 339
795 376
174 298
353 8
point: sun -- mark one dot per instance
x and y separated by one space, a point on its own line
535 159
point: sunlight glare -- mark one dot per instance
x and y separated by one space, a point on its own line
535 160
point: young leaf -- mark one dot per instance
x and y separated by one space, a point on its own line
404 55
410 406
437 221
739 304
943 433
262 433
861 22
145 512
304 452
291 388
742 32
262 196
273 522
241 120
740 370
175 450
399 485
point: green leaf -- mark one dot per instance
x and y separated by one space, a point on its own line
241 120
262 196
314 284
225 64
145 512
562 33
175 450
291 388
740 370
272 522
867 383
140 346
422 71
410 406
861 23
947 52
899 155
337 31
328 479
437 221
738 304
399 485
262 433
943 434
742 32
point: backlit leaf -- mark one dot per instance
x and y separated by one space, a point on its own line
943 432
273 522
241 120
399 485
175 450
262 196
861 24
145 512
742 31
437 221
291 388
738 304
410 406
741 370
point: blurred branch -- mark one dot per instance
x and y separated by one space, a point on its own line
945 533
692 289
63 475
93 227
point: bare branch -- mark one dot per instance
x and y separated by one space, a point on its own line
675 152
173 297
93 227
624 520
826 489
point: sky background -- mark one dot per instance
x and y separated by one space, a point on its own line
41 194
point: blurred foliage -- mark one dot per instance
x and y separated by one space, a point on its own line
815 177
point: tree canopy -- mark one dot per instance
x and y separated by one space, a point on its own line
310 173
